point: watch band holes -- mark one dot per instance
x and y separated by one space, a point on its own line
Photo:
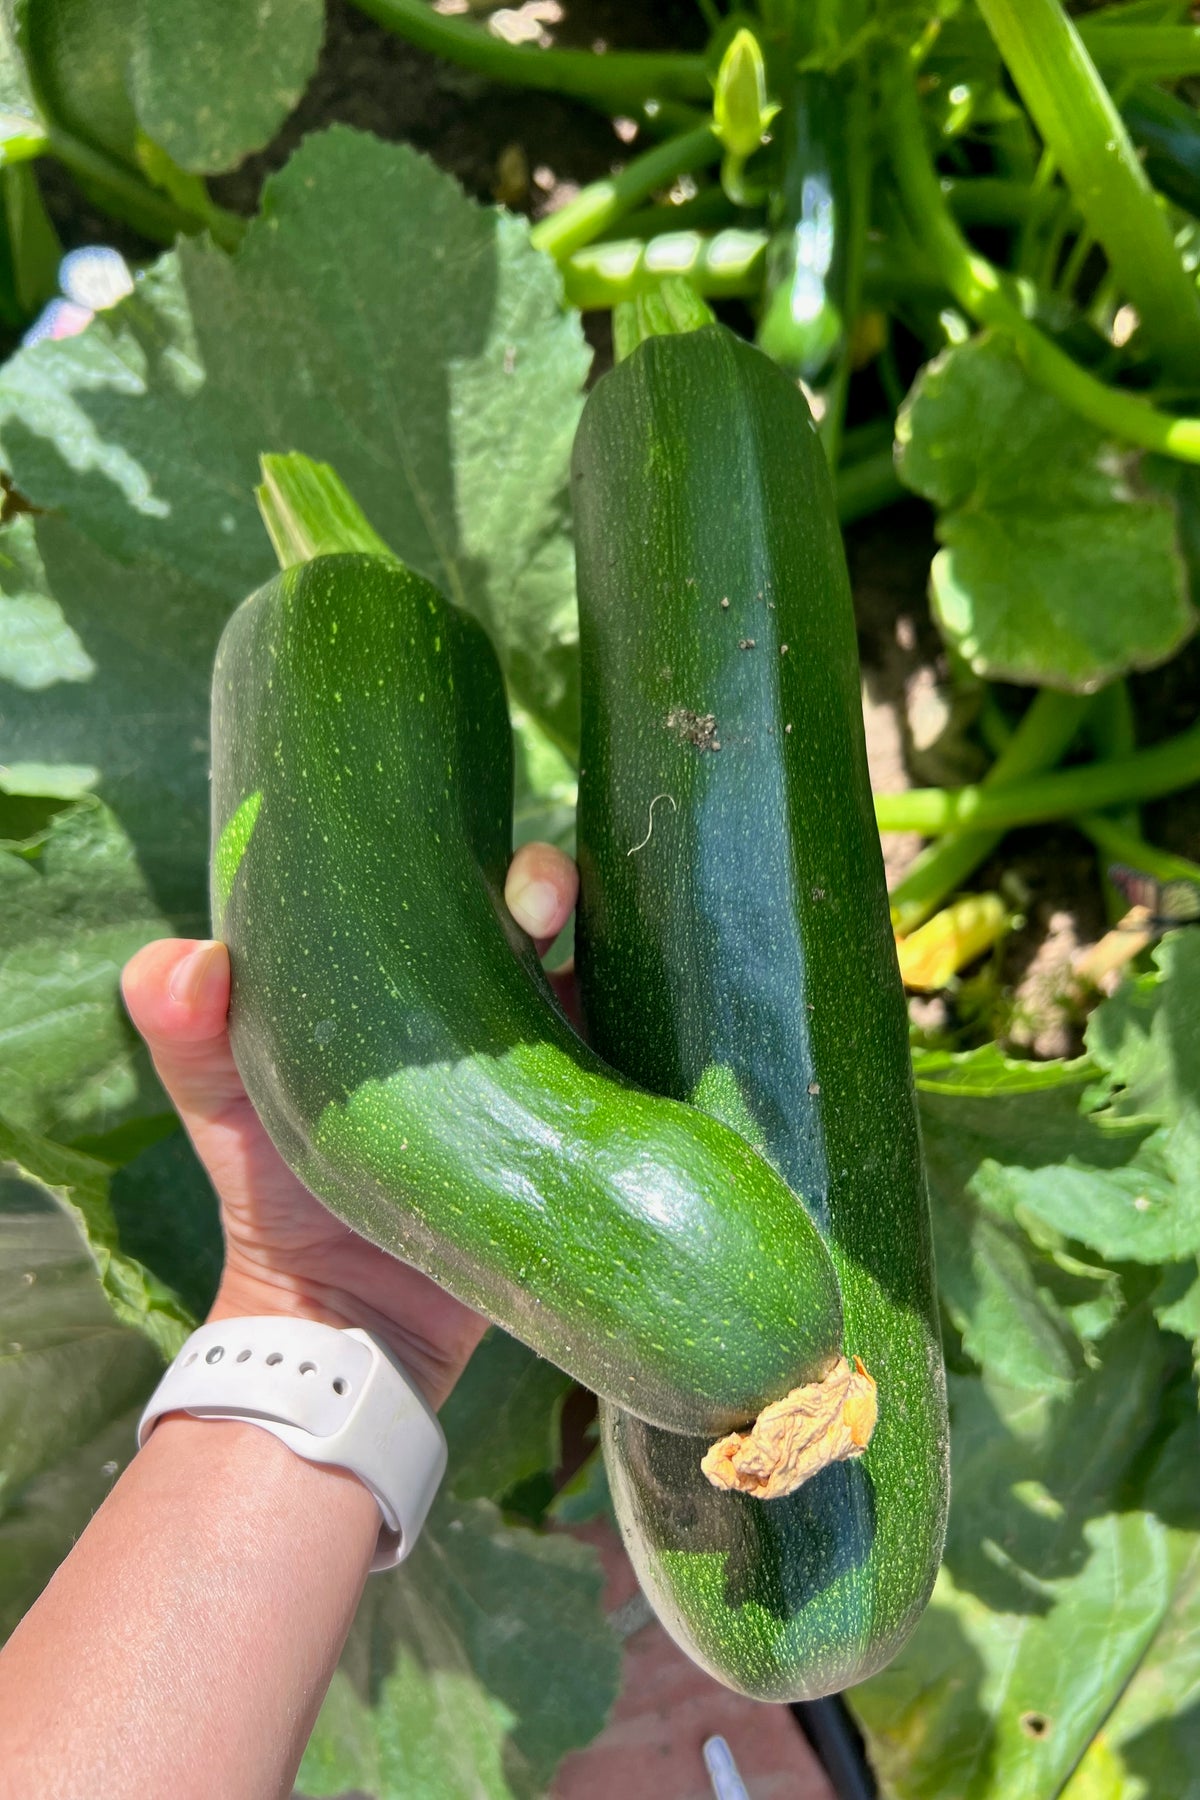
340 1384
308 1368
189 1360
275 1358
215 1354
244 1355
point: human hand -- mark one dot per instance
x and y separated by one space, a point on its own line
284 1252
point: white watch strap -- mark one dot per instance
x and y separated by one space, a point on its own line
331 1396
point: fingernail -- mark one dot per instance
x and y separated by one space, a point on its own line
190 979
534 905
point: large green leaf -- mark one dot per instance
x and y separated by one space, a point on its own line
1055 568
1022 1311
501 1421
987 1073
1067 1571
1146 1043
374 318
1177 1305
72 1064
1057 1647
71 1379
207 83
86 1330
37 646
1149 1748
165 1213
80 1185
211 83
470 1674
425 351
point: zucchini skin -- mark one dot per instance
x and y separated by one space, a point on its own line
743 957
399 1040
807 284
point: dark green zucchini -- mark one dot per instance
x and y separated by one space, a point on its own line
809 275
1167 132
399 1040
735 949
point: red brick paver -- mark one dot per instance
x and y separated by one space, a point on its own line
651 1748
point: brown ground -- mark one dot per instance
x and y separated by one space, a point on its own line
652 1747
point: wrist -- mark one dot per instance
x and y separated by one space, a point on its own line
335 1398
243 1295
433 1358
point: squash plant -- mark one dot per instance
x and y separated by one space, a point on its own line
996 255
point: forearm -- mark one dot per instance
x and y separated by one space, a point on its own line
193 1663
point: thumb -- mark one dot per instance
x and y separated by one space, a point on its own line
177 995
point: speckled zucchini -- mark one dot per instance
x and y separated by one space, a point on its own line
734 949
398 1038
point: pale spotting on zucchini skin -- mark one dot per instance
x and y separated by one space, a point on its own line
744 958
399 1040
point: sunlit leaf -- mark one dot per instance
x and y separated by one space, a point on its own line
1055 568
469 1675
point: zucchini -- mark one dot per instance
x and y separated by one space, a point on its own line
809 276
739 955
397 1036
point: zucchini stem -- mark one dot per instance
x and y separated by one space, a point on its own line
1149 52
1113 732
867 484
601 203
131 197
1117 843
309 511
617 82
979 290
1143 775
672 307
1086 137
727 265
1042 738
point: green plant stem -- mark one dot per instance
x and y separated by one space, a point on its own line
1025 260
727 264
599 204
1042 738
867 484
133 199
1117 844
1086 137
856 224
1113 732
709 210
1152 52
1072 269
995 200
1147 52
617 82
1143 775
666 311
1112 726
978 288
